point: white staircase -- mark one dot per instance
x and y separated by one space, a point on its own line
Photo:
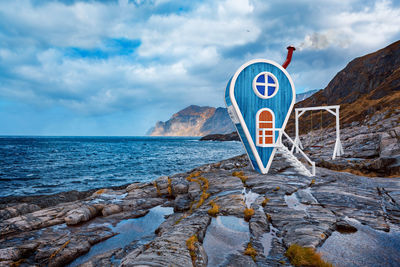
284 151
291 158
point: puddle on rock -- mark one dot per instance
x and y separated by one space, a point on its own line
293 202
129 230
249 197
225 235
266 240
366 247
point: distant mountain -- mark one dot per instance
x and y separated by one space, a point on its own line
200 121
367 85
195 121
305 95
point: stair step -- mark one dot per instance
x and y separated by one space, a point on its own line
294 161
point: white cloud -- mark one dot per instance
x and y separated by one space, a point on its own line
365 28
185 57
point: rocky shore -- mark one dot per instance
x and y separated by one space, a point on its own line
221 137
225 213
371 147
168 222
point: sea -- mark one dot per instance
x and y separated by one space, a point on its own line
48 165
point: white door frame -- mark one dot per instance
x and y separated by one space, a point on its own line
334 110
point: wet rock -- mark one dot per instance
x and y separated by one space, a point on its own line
182 203
35 220
134 186
70 253
345 228
111 209
104 259
258 224
332 197
305 197
389 144
170 247
179 188
221 137
141 204
239 260
17 253
82 214
17 210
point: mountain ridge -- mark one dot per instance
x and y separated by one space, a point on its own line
368 84
197 120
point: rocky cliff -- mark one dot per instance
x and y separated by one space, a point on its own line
367 85
195 121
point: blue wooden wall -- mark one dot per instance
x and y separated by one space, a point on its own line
249 103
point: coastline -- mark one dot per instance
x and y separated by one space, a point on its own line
300 209
252 219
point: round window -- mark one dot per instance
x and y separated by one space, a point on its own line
265 85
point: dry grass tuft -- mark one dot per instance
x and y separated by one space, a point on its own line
58 250
277 188
17 263
248 212
241 176
203 197
265 201
158 189
312 182
181 218
169 187
101 191
250 251
214 209
301 256
204 184
193 175
190 244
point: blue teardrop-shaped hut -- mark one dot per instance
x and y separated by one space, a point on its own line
260 97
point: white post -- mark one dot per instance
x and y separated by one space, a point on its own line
338 150
297 138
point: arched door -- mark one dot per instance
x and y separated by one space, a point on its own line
265 133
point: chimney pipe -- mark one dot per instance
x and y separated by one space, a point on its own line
290 49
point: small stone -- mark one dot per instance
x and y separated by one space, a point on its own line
181 203
180 188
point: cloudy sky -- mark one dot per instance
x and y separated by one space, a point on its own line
116 67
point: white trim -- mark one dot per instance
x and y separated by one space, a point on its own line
263 169
265 84
319 108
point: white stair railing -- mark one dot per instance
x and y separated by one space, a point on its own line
292 158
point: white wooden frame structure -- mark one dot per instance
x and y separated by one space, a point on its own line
334 110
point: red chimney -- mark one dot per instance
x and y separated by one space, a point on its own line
290 49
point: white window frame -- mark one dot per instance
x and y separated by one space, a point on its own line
265 84
263 135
